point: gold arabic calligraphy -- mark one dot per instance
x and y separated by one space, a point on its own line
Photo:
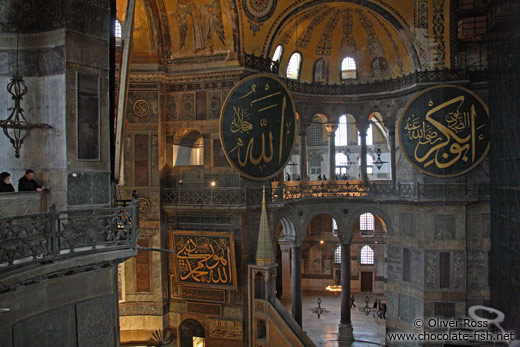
443 143
241 125
204 259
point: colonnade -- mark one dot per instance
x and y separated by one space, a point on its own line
362 127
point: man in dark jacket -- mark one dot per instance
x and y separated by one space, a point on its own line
28 184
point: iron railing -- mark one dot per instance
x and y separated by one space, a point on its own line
245 196
56 235
386 85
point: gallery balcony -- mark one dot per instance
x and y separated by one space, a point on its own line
37 246
215 197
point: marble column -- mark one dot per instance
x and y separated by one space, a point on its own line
302 133
345 284
331 132
393 168
362 128
286 273
296 279
345 325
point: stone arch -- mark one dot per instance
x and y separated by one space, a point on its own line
187 147
376 211
309 215
288 226
188 329
320 118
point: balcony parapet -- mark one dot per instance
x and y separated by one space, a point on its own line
244 196
42 243
379 86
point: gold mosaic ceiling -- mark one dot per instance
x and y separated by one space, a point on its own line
335 30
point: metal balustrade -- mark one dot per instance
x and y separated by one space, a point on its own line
246 196
55 235
401 82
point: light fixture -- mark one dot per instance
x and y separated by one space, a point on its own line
349 162
379 163
213 183
16 127
322 242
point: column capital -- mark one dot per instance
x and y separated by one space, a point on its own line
362 127
302 127
331 128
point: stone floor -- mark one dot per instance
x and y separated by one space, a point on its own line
368 330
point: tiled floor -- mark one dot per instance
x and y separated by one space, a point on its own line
368 330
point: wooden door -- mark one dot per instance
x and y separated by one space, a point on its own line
366 281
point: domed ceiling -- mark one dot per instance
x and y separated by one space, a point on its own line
335 30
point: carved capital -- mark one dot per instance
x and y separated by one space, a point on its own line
331 128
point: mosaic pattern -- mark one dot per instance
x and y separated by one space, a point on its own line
375 47
259 10
347 40
421 14
311 13
438 32
324 46
399 60
304 39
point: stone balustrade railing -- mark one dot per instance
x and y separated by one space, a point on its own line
44 238
245 196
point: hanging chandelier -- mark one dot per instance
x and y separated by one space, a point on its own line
16 127
379 163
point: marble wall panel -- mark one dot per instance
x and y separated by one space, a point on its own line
88 188
444 227
96 319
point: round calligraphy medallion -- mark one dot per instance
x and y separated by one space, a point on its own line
444 131
144 205
258 127
141 107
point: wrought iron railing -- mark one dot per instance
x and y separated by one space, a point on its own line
244 196
56 235
391 84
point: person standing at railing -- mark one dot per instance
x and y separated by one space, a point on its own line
28 184
5 186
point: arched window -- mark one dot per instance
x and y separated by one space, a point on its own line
118 30
337 255
348 69
334 227
379 66
320 71
342 132
369 137
277 56
366 224
367 255
293 68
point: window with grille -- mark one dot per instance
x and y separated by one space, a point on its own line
342 132
366 224
367 255
118 31
315 135
379 66
337 255
348 68
315 165
293 68
277 56
320 71
334 227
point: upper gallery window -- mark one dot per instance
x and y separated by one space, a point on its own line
366 224
320 71
348 68
118 31
293 68
367 255
277 56
342 132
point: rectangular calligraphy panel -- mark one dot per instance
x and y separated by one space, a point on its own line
225 329
204 307
204 294
204 258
